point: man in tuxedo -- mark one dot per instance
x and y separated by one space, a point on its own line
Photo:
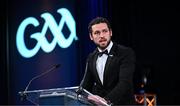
109 69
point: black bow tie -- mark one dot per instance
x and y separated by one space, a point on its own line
101 53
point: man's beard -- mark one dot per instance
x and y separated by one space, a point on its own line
103 47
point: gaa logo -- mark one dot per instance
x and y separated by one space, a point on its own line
42 42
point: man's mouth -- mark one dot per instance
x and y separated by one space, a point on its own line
102 40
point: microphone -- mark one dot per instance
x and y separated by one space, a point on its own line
80 88
23 93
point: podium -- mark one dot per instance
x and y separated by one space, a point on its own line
58 96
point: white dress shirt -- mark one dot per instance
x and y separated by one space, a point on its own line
101 61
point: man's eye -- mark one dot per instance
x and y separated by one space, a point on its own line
97 33
105 31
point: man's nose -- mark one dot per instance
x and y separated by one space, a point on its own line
101 34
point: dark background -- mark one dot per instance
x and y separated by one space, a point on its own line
151 28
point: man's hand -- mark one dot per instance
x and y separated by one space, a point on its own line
97 100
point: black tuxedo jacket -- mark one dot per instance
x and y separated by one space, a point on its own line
118 75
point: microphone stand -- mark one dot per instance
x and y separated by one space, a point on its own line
23 93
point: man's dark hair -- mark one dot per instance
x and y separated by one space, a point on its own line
98 20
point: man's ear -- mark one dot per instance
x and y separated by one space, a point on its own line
110 32
90 35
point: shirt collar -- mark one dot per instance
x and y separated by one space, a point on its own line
108 47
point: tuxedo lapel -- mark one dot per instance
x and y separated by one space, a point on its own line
107 66
109 62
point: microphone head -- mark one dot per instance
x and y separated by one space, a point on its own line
23 96
57 65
